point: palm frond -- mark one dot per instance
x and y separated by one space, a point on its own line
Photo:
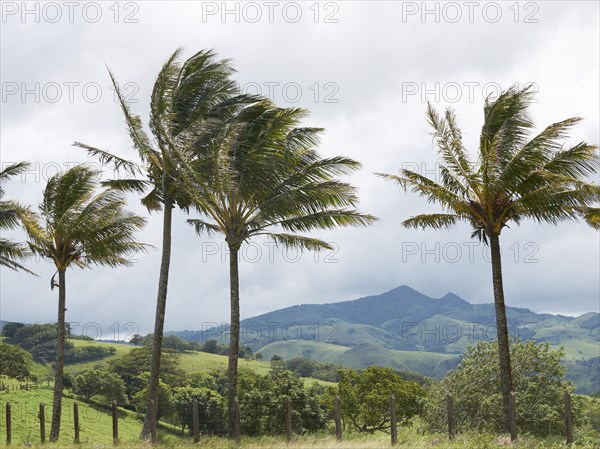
140 139
298 241
10 171
67 191
537 152
9 257
153 200
324 219
78 226
434 221
127 185
458 167
592 217
203 227
107 158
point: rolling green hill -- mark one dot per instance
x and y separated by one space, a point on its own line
365 354
190 362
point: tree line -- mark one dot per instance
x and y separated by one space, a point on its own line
245 168
539 380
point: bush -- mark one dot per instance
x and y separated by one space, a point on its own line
88 353
539 385
211 409
365 397
132 365
93 382
14 362
262 403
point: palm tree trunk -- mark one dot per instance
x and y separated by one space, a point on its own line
60 357
159 319
234 335
506 382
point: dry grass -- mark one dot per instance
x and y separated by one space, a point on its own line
407 439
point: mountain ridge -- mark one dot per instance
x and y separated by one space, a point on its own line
406 329
399 317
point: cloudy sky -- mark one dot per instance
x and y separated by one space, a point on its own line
365 70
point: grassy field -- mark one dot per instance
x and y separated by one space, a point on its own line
95 422
580 349
190 362
361 355
407 438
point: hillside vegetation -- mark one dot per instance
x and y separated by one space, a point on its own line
407 330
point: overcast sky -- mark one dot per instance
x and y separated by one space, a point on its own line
365 70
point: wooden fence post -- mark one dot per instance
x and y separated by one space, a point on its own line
115 423
450 411
512 414
568 417
196 421
337 412
288 418
8 424
153 414
42 423
237 432
393 422
76 422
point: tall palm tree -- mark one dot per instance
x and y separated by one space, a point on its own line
185 96
78 226
514 178
259 174
11 252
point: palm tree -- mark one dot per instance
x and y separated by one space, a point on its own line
11 252
514 178
78 226
260 175
185 96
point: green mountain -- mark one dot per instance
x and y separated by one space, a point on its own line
406 329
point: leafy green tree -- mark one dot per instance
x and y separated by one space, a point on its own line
93 382
365 396
9 330
587 419
47 351
11 253
262 403
173 343
79 226
203 380
210 346
41 340
14 362
514 179
136 340
539 382
259 174
185 96
211 409
165 405
138 361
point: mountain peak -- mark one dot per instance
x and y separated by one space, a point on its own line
403 289
450 295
